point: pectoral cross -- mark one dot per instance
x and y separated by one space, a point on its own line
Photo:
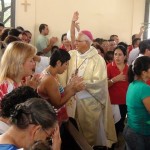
25 5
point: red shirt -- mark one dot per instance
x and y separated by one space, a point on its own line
117 91
148 82
64 48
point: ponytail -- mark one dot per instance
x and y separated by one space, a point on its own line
131 74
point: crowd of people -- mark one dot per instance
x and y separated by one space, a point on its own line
103 85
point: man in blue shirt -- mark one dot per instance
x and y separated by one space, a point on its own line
44 44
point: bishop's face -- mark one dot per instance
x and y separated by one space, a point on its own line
81 43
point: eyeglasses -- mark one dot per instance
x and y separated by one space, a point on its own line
80 41
49 137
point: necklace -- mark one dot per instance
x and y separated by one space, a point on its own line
48 73
77 68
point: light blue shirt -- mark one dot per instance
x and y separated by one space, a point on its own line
42 43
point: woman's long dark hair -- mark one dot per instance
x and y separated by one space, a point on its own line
34 111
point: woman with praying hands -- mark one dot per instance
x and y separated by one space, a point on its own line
50 87
17 63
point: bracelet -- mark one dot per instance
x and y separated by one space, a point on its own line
111 81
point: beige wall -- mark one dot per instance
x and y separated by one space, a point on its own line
102 18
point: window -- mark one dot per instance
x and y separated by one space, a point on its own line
7 12
147 20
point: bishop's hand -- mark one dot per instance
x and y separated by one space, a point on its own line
77 83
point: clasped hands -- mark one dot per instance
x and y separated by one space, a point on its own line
32 81
77 83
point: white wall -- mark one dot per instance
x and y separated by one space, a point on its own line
137 15
102 18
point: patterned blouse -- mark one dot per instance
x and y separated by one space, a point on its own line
6 87
61 112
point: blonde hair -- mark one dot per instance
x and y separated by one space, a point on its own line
16 53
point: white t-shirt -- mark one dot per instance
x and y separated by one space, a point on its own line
133 55
44 63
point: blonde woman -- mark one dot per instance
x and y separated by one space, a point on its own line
17 63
